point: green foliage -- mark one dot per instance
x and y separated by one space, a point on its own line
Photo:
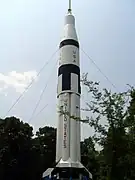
25 156
15 148
89 157
116 135
47 139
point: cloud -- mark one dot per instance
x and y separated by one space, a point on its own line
17 81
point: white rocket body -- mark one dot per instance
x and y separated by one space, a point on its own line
68 94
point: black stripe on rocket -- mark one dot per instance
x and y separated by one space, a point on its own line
66 71
69 42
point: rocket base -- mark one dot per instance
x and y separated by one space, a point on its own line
66 170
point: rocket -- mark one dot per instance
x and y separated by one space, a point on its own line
68 156
68 94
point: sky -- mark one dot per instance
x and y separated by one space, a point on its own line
30 32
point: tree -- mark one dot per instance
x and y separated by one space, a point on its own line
46 137
112 136
16 151
23 156
89 157
130 125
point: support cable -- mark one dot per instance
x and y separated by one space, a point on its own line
99 69
41 111
41 95
18 99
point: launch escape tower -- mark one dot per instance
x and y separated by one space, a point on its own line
68 156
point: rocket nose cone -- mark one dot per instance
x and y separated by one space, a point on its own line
69 28
69 19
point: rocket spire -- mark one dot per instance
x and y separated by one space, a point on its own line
69 7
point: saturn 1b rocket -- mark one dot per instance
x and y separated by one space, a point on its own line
68 161
68 94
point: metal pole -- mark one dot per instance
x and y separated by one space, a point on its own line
69 9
